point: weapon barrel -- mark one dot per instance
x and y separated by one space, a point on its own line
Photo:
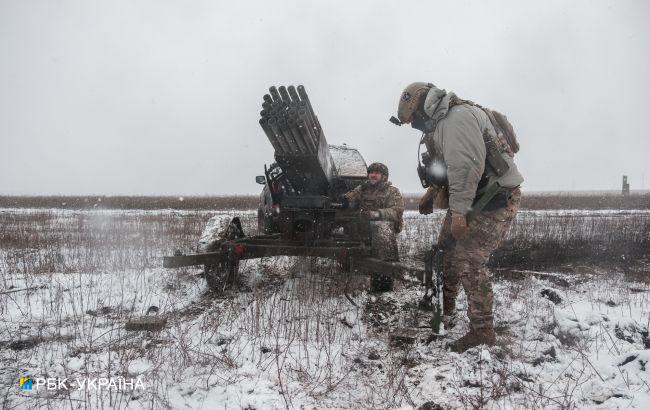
301 150
275 130
269 134
276 105
275 94
284 94
293 93
309 124
296 143
305 98
304 140
306 135
310 117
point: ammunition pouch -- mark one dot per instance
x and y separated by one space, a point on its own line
498 201
493 157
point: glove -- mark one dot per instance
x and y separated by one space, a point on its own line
370 215
442 198
426 202
345 202
458 225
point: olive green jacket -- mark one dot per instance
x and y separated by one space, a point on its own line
458 140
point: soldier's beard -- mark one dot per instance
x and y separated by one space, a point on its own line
377 181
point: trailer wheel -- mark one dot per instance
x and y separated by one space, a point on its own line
220 229
221 274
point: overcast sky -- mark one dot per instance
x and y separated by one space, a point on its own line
163 97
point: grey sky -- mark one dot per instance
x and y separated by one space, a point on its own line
163 97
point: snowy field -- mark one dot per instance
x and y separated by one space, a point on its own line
296 333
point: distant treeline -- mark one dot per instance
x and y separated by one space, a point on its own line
565 200
570 200
131 202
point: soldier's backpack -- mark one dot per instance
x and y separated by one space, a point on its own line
506 136
503 128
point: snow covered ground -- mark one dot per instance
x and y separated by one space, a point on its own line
296 333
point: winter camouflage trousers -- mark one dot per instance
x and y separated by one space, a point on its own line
384 240
384 247
465 261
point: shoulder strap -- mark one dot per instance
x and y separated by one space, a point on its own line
506 137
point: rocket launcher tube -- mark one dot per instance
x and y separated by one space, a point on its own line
286 132
311 118
284 94
305 98
304 139
269 134
275 94
313 131
307 131
273 125
294 95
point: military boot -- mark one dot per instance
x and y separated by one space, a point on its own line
474 338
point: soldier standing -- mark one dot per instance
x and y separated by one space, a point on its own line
382 204
466 160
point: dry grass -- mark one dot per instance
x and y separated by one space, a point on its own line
549 239
291 322
533 201
75 241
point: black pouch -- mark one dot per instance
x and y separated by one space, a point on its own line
498 201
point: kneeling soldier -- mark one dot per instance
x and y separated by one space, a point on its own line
382 204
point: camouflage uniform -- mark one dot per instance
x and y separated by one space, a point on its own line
387 200
455 136
465 261
382 197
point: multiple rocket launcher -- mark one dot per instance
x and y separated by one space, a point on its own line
301 150
289 122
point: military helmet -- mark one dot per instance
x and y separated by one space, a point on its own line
378 167
411 99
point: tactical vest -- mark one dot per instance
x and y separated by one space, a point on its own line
505 142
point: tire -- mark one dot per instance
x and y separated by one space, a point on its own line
220 229
221 275
380 283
